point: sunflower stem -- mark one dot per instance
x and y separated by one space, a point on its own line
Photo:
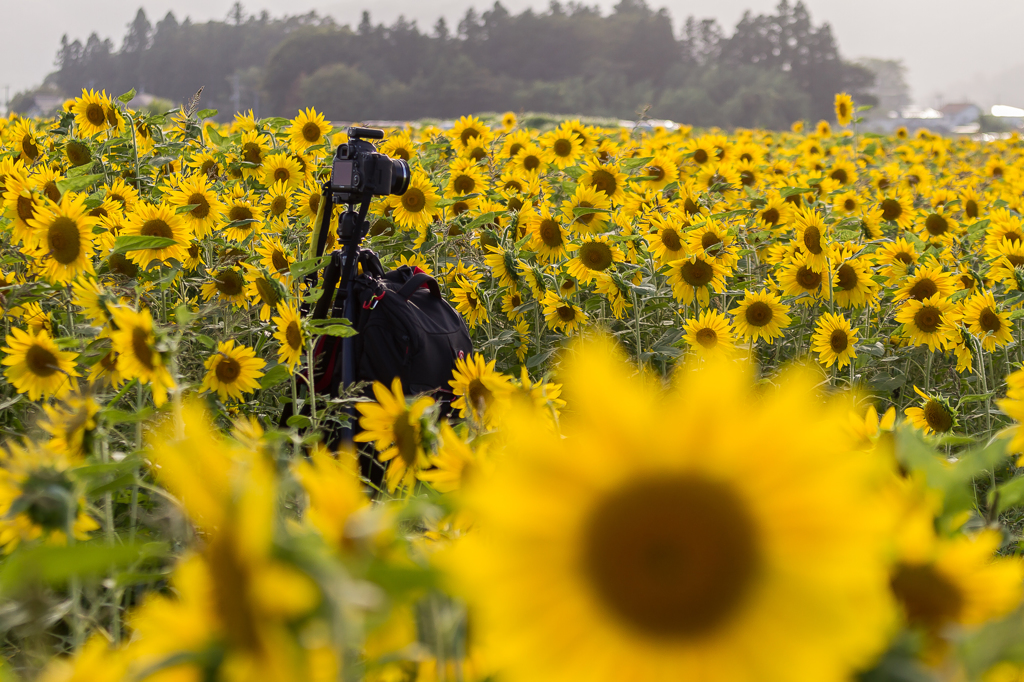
310 382
636 320
135 145
928 371
984 388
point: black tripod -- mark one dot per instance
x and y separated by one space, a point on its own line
339 275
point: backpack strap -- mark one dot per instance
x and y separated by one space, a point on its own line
415 282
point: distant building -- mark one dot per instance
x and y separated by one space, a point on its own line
1011 117
38 105
961 114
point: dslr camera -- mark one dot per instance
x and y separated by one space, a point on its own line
360 172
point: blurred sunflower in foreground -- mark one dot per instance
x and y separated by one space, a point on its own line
654 553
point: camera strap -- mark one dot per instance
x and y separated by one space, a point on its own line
321 227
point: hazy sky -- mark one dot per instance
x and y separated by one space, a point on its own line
950 48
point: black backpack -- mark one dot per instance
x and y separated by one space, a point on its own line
405 329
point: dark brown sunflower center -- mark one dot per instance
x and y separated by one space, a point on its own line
311 132
156 228
707 337
747 178
657 173
566 313
64 239
252 153
140 347
847 276
279 261
562 147
202 205
596 255
758 314
469 133
839 341
937 416
603 181
278 205
589 217
989 320
313 202
812 239
26 208
971 208
51 192
228 370
480 397
413 200
531 162
406 440
923 289
95 115
936 224
550 233
673 558
697 274
229 282
701 156
849 204
840 175
807 278
240 212
670 238
690 206
464 184
293 335
29 148
78 154
709 240
891 209
40 361
927 319
929 599
282 175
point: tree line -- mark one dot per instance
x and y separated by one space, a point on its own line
570 59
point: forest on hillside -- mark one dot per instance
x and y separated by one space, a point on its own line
570 59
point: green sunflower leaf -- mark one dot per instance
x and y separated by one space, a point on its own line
632 164
274 376
78 183
126 243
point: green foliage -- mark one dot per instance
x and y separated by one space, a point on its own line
773 70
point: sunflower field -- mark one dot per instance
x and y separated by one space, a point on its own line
743 406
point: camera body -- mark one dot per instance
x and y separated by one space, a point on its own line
360 172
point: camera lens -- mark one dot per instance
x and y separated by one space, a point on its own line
400 175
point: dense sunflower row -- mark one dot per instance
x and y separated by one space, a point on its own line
666 459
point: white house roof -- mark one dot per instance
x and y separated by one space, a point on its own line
1003 110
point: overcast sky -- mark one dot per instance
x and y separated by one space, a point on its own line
951 49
